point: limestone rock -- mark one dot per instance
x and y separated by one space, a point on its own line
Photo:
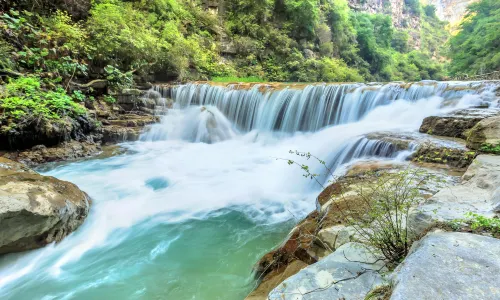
449 265
455 124
351 272
486 131
272 280
478 193
336 236
455 157
36 210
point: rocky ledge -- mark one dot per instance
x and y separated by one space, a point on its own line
106 123
457 123
36 210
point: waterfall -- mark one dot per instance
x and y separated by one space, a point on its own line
289 110
214 172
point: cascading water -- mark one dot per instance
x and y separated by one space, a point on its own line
189 208
314 107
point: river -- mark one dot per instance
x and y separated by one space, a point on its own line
185 212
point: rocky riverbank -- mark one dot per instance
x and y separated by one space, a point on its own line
326 257
105 124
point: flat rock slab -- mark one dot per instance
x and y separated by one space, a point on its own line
479 192
449 265
348 273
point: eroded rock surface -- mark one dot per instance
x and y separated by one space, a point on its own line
351 272
484 133
479 192
36 210
455 124
448 265
64 151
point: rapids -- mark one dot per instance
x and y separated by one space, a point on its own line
186 211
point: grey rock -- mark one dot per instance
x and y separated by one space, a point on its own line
447 265
486 131
351 272
36 210
336 236
477 193
455 124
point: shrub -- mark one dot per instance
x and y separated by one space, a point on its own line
109 99
386 202
24 99
117 79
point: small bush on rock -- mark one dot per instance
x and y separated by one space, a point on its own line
385 199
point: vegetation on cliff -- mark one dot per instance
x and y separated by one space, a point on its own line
476 48
292 40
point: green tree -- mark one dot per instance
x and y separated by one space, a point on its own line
476 48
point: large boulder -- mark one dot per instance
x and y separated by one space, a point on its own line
449 265
36 210
479 192
486 132
455 124
351 272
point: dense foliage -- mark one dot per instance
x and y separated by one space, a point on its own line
276 40
24 99
476 48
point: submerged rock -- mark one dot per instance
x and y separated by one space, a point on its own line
351 272
449 265
36 210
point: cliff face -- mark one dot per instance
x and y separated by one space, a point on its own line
451 10
395 8
401 18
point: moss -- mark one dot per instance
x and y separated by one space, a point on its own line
490 148
458 158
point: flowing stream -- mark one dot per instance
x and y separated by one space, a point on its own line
186 211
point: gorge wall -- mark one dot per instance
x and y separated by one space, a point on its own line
451 10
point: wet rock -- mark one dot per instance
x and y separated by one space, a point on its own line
351 272
455 124
478 193
126 128
457 157
64 151
36 210
118 134
447 265
401 141
447 151
486 132
272 280
133 100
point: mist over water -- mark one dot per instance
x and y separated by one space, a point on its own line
188 209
